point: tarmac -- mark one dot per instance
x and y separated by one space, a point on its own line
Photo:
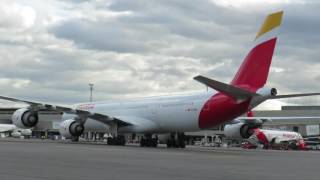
50 160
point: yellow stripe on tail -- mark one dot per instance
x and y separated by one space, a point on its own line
272 21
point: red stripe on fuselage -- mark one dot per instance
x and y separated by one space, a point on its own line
220 109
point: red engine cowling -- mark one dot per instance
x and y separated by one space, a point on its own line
25 118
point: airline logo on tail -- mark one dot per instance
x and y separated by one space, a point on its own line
272 21
246 90
236 98
254 71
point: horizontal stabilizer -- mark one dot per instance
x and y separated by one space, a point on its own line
229 90
294 95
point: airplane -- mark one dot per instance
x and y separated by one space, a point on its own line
251 131
174 114
16 132
278 139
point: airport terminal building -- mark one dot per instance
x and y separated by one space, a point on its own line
49 121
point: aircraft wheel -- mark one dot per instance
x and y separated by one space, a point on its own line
142 142
169 143
75 139
154 142
121 140
110 141
148 141
181 140
182 144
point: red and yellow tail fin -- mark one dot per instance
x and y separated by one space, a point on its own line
254 71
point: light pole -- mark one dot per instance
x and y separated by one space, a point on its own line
91 89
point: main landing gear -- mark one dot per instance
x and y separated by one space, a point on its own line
118 140
148 141
75 138
176 140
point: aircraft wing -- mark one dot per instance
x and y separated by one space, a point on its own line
261 120
82 113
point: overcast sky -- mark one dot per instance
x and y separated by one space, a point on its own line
50 50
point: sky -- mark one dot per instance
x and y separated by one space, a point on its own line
51 50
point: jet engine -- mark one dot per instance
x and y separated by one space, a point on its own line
25 118
70 128
239 130
266 91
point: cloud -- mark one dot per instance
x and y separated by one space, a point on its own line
16 16
51 50
14 83
259 5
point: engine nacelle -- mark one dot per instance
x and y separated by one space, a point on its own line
266 91
25 118
71 128
239 130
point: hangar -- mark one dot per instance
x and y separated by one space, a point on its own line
49 121
306 127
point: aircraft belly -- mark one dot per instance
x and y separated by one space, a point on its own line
93 125
169 115
180 118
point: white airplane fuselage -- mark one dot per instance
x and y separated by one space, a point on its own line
176 113
281 135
